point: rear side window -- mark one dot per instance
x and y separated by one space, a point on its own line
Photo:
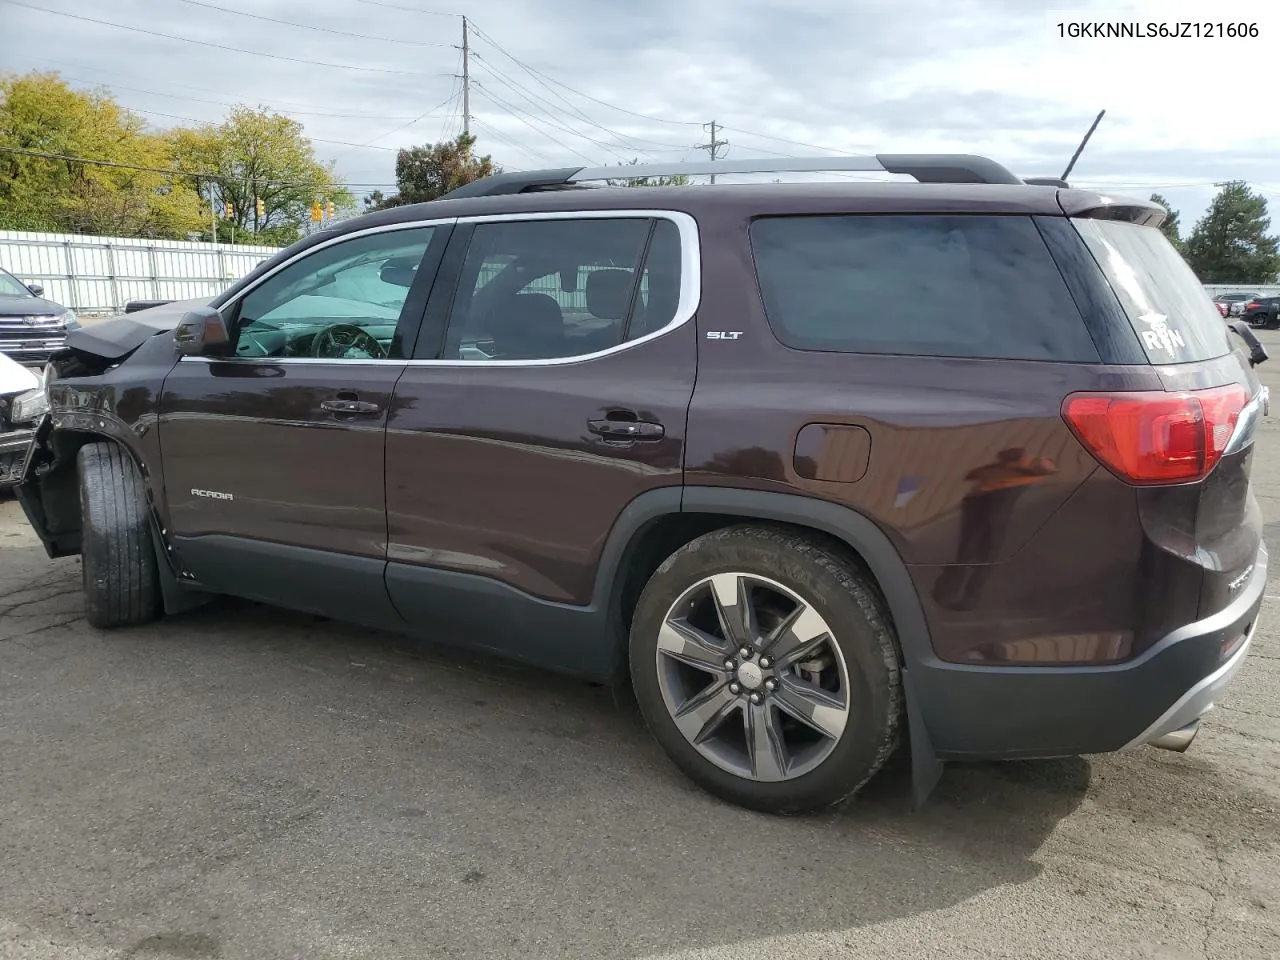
1171 312
943 286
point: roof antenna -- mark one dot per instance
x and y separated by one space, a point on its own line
1080 149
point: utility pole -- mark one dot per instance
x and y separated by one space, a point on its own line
466 77
712 147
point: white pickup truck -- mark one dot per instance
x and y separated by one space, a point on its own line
23 403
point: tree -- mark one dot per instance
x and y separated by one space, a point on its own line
1170 225
428 172
680 180
40 112
1230 244
256 154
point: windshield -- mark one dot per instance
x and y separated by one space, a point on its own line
11 286
1171 312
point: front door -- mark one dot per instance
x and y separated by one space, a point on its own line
553 393
273 453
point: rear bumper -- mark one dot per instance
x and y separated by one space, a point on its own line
974 712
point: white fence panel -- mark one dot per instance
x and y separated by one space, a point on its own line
101 274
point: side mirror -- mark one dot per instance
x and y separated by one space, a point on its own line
36 289
201 331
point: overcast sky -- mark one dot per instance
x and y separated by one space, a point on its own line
559 82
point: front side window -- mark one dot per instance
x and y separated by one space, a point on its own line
11 286
341 302
923 285
561 288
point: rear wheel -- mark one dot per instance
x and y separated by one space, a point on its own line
117 557
764 664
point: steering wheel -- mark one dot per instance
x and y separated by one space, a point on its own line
340 339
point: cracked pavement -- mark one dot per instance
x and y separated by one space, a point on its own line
242 782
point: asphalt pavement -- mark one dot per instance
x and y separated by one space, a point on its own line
243 782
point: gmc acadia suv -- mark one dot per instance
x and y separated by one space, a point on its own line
822 467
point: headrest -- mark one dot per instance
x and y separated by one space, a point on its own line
528 326
608 292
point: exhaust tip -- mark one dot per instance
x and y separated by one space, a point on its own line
1177 740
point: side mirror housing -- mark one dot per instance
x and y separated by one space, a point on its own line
36 289
201 331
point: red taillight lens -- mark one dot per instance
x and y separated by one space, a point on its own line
1156 437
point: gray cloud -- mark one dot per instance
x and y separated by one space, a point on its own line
832 74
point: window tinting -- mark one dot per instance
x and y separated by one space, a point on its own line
947 286
339 302
549 289
1171 312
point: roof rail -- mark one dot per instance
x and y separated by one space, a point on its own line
925 167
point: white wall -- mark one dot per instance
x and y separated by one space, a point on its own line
101 274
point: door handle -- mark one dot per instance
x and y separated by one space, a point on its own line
626 429
349 406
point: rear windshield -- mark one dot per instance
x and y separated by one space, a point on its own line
943 286
1171 312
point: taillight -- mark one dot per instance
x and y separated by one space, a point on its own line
1153 436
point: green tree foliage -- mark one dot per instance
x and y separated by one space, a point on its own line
258 154
40 112
1170 225
1230 244
677 181
427 172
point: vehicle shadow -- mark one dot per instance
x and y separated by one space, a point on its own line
339 788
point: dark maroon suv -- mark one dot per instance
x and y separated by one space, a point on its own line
823 468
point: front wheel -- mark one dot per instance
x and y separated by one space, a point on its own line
764 664
117 556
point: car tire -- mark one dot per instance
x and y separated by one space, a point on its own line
117 555
848 685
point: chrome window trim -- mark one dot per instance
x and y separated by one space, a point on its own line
686 305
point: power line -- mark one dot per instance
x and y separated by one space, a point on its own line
572 108
71 158
309 26
210 43
550 120
498 101
395 6
225 103
447 100
341 143
523 148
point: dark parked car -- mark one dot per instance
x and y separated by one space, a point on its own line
31 328
1262 312
1233 302
669 434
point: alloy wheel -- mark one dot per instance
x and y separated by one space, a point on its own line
753 677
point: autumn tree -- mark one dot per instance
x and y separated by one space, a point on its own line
258 154
679 180
1170 226
1230 244
40 113
428 172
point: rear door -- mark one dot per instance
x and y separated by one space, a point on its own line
273 454
553 392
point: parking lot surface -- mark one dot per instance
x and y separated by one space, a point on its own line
242 782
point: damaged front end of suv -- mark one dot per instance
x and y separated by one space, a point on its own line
88 393
23 406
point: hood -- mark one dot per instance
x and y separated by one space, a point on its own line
118 336
29 307
15 378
